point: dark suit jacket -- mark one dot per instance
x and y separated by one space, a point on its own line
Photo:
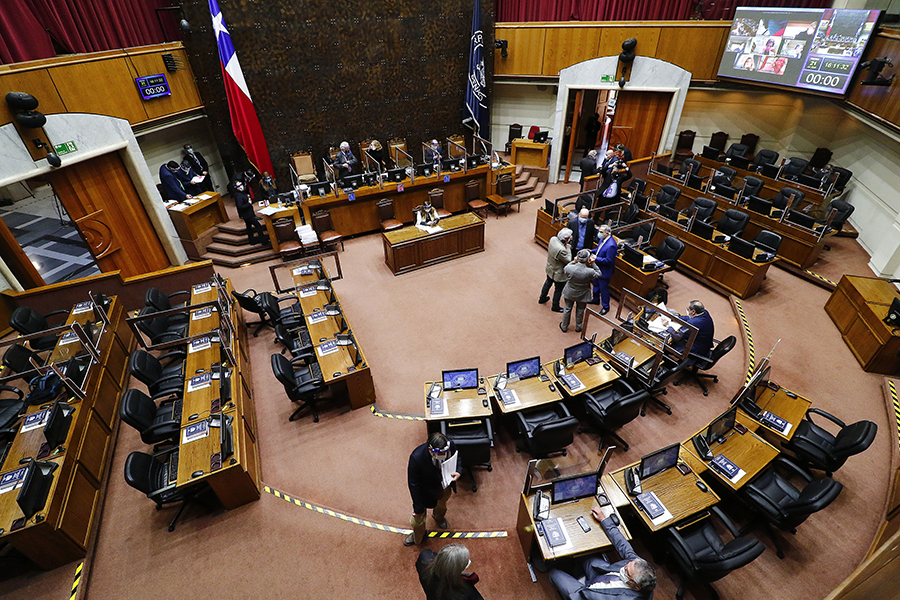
243 204
424 478
340 159
171 186
588 166
590 233
197 162
703 343
628 554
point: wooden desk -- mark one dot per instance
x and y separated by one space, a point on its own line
196 219
532 392
748 451
411 248
461 404
527 152
779 403
813 196
857 307
594 377
641 354
579 543
627 276
273 212
678 493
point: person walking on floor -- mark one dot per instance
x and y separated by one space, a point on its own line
426 485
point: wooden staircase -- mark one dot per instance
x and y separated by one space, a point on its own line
229 246
530 181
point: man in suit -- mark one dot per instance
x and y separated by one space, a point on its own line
631 577
433 153
580 273
171 184
605 259
423 476
255 232
588 166
344 162
615 172
584 232
698 316
558 256
196 162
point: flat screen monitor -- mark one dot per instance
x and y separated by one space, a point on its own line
613 340
353 181
355 355
738 162
710 153
816 50
397 175
320 188
719 428
541 137
798 218
451 164
57 427
530 367
761 383
473 160
701 229
35 487
759 205
742 248
424 170
577 353
461 379
659 461
633 257
576 487
725 191
668 212
550 207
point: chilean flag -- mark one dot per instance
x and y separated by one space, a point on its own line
244 121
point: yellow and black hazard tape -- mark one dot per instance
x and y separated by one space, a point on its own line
77 580
394 415
896 407
456 535
820 278
752 358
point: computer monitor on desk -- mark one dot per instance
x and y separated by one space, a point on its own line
798 218
659 461
541 137
742 248
633 256
35 487
353 181
320 188
718 429
759 205
355 355
577 353
396 175
668 212
461 379
575 487
451 164
425 170
530 367
701 229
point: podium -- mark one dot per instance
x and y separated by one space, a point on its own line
526 152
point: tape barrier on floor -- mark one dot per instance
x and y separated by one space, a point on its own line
392 415
820 278
896 407
752 358
456 535
77 580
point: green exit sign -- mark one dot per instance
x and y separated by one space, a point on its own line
607 78
65 148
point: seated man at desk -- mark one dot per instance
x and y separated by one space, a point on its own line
344 162
427 218
631 577
698 316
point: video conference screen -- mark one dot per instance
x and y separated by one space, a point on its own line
811 49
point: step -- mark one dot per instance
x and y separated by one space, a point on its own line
237 261
234 227
230 238
542 173
519 169
522 178
528 187
537 192
229 250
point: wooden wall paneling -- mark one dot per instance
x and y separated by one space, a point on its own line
185 94
566 46
881 101
526 51
16 259
99 196
611 39
645 113
694 49
874 579
79 508
85 87
37 83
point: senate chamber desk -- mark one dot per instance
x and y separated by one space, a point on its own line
593 377
531 392
460 404
529 153
194 218
857 307
60 532
410 248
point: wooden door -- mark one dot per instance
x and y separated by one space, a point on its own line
101 199
640 118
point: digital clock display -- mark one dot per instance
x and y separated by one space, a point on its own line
153 86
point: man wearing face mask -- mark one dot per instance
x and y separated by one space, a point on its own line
423 476
433 154
267 186
344 162
605 259
196 162
631 577
171 184
255 232
584 232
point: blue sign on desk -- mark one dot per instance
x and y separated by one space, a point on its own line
200 381
328 347
12 480
35 420
82 307
196 431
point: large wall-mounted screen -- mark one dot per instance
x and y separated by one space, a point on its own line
811 49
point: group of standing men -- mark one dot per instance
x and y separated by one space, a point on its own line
186 179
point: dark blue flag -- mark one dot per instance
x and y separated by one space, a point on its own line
476 87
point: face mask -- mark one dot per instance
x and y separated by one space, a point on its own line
581 220
623 575
190 150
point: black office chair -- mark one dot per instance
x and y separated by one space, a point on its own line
630 215
636 186
150 475
752 186
156 298
668 195
768 241
249 300
733 222
820 158
705 207
787 197
765 157
11 410
161 329
302 384
736 150
155 424
474 439
642 231
668 252
290 316
705 363
702 557
612 407
546 430
690 164
296 341
842 177
27 321
724 176
658 295
844 210
794 167
778 502
667 372
818 448
162 376
17 358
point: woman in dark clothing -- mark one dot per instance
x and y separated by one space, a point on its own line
443 575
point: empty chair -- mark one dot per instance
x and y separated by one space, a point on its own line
668 195
612 407
668 252
532 131
767 241
636 186
289 316
794 167
705 207
546 430
643 232
11 409
787 197
155 424
304 167
778 502
718 140
150 475
325 229
437 201
750 140
386 215
765 157
249 300
156 298
821 449
515 132
842 177
27 321
704 363
162 376
161 329
702 556
504 197
820 158
752 186
630 215
733 222
302 381
297 342
17 358
289 246
473 439
668 370
736 150
690 164
724 176
684 146
844 210
473 198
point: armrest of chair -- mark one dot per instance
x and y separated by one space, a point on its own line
589 399
179 293
15 390
821 412
734 531
304 358
793 467
161 453
57 312
173 356
687 554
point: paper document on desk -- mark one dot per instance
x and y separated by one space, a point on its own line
179 206
448 468
269 210
203 196
428 229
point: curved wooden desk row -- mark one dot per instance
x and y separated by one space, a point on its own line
360 215
799 246
59 533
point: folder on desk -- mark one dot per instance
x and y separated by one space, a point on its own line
651 504
195 432
554 532
775 422
572 382
438 407
724 466
198 382
509 397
